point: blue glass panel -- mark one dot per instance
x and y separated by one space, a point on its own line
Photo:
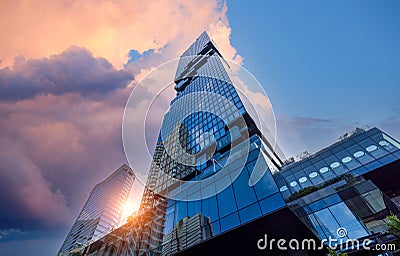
170 203
379 152
226 202
180 210
221 183
194 207
327 223
229 221
169 222
266 185
272 203
216 228
243 192
348 221
373 165
316 226
359 171
331 200
253 155
209 208
249 213
316 206
387 159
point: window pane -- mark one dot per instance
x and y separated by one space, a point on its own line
243 192
272 203
229 222
266 185
348 221
193 207
226 202
327 223
250 212
209 208
181 210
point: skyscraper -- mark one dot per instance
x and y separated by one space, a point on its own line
101 212
201 165
204 195
209 193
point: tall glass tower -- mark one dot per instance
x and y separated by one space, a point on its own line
101 212
200 181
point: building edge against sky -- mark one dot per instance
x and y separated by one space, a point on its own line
270 195
350 184
202 79
357 195
102 211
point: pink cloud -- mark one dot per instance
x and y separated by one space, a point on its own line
61 105
74 70
107 28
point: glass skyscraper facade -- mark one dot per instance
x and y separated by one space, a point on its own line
215 135
201 197
101 212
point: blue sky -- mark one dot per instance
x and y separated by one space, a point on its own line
331 60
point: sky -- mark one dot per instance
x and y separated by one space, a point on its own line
68 67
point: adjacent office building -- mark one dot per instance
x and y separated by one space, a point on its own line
198 227
351 185
101 212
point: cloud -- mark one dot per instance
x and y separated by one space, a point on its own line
64 82
298 134
58 138
10 232
74 70
107 28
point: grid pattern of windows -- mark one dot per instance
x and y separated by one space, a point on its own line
102 211
192 53
238 203
200 69
357 206
356 155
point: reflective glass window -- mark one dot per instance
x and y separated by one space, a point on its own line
316 225
229 221
226 202
221 183
316 206
331 200
327 223
249 213
180 210
193 207
374 200
265 186
216 228
272 203
169 221
348 221
209 208
244 193
387 159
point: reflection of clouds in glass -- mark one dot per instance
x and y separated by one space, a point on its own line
359 154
